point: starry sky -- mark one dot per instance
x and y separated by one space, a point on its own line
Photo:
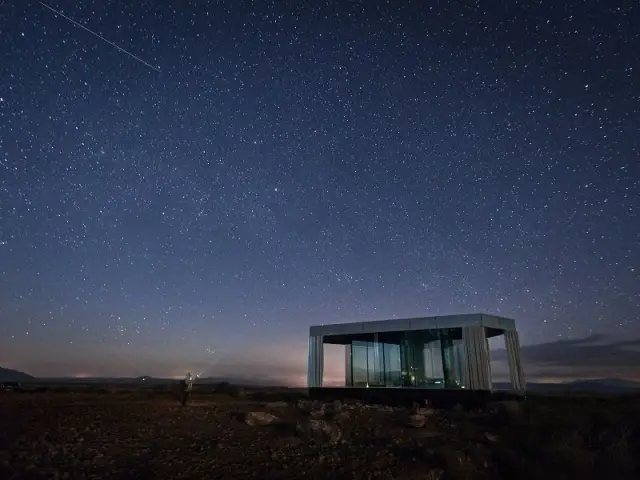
264 166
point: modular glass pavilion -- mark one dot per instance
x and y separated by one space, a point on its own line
429 352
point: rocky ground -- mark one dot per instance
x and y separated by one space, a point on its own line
144 435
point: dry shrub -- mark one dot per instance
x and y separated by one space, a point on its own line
587 436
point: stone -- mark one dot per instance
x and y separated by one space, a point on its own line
385 408
318 410
276 404
304 405
435 474
259 419
416 421
319 431
492 438
343 416
511 407
425 411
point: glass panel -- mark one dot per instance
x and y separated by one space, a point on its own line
424 358
359 370
375 362
405 363
434 374
452 357
392 367
413 358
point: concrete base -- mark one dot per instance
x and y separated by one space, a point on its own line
437 398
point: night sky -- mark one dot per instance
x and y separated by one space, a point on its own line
265 166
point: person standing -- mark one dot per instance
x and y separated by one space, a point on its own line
186 385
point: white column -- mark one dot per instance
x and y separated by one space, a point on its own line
348 374
316 361
476 358
488 350
516 373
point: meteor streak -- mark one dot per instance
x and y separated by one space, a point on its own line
99 36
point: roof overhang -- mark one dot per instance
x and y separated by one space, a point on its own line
495 324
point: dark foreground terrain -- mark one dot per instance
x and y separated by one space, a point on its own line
268 434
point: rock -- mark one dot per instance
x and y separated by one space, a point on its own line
276 404
259 419
304 405
435 474
511 407
385 408
319 431
342 416
332 409
416 421
427 433
318 410
424 411
492 438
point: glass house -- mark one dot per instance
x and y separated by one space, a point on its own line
429 352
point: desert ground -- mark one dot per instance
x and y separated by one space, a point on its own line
235 433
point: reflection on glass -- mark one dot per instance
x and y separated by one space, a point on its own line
453 361
422 358
359 368
376 363
392 368
434 374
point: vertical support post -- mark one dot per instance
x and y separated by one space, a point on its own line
458 350
488 350
516 373
446 347
348 373
477 364
316 361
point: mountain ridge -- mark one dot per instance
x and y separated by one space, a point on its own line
598 385
10 375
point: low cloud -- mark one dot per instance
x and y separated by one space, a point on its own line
595 356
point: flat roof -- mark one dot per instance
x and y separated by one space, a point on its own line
493 322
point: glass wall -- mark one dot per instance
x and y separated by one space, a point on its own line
422 358
392 365
359 367
452 359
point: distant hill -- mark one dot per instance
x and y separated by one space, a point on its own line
245 381
248 381
602 385
8 375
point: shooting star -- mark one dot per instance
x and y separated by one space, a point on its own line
99 36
